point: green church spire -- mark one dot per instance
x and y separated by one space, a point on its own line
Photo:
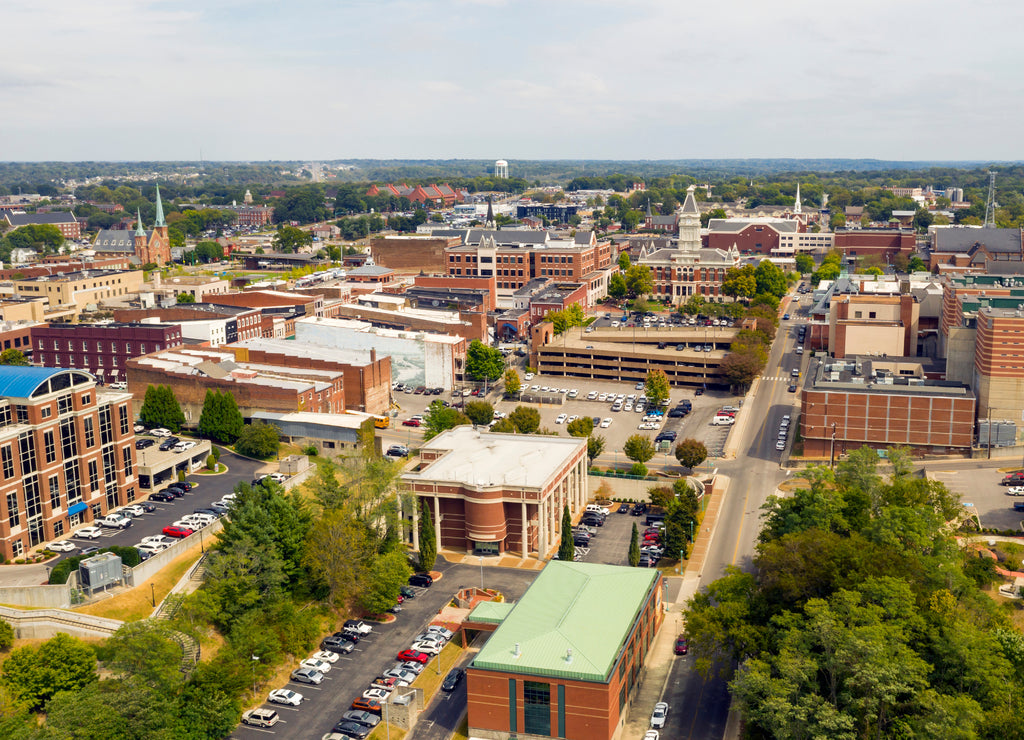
139 231
159 210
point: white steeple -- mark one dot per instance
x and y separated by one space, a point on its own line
797 208
689 223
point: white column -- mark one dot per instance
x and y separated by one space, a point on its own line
526 530
542 529
437 520
416 524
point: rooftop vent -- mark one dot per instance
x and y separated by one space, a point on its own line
516 652
568 655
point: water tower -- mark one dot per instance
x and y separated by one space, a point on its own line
501 169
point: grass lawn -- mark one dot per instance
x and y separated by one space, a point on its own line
137 603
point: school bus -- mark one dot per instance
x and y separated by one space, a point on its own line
382 422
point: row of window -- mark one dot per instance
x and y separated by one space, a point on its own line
100 346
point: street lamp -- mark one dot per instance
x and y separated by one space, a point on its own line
255 660
481 571
832 454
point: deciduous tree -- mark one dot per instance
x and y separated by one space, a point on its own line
512 382
525 419
639 448
595 446
62 663
691 452
581 427
481 413
439 418
13 356
259 440
483 362
656 387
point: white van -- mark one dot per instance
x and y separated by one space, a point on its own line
722 421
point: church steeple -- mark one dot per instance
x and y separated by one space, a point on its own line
797 208
159 210
139 231
649 214
489 224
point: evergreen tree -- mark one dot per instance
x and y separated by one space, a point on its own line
220 421
160 409
428 538
566 549
634 547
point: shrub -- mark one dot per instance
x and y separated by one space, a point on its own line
310 450
211 462
639 470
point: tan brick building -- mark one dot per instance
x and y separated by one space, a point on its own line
76 290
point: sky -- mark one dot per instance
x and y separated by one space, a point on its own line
132 80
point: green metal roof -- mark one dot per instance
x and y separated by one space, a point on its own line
571 623
490 612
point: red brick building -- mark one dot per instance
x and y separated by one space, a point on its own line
66 223
67 455
884 243
102 349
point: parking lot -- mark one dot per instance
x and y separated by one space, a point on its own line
980 489
324 705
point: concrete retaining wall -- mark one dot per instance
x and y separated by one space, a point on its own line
45 623
149 568
56 596
633 490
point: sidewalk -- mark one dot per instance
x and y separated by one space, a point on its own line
493 561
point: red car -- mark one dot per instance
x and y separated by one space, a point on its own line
414 655
682 645
177 531
411 423
367 705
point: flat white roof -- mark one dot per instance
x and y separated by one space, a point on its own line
343 421
368 328
484 459
297 348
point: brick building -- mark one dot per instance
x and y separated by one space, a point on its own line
883 403
491 493
144 247
18 335
472 293
883 243
967 249
862 324
394 312
66 223
67 454
102 349
253 216
210 323
412 252
74 291
777 237
568 659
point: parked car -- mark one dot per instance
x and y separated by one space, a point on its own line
336 645
403 674
141 444
659 715
411 423
164 496
442 632
407 592
351 729
149 549
173 531
324 656
62 546
260 717
682 645
360 626
367 705
285 696
160 432
116 521
453 679
415 656
168 444
361 718
380 695
422 580
307 674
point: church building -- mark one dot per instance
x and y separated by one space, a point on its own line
152 246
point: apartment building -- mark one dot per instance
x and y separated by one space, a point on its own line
102 349
67 454
66 223
74 291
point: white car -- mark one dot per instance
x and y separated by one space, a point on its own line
285 696
62 546
133 510
603 397
780 445
1011 491
160 432
192 524
659 715
573 393
427 646
443 632
528 376
157 539
561 419
317 665
606 422
139 428
149 549
571 419
325 656
592 395
380 695
88 533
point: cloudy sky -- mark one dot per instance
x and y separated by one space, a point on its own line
537 79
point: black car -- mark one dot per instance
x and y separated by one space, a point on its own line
422 580
639 509
162 496
624 508
669 436
407 593
210 511
454 677
337 645
146 506
185 485
352 729
141 444
168 444
592 521
175 489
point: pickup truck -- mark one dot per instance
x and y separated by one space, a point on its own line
116 521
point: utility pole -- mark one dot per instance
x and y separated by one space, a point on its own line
832 455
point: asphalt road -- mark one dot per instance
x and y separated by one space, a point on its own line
206 490
375 653
444 713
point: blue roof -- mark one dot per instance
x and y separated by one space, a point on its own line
18 381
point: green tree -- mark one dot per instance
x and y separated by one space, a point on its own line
338 550
693 305
428 538
656 387
209 251
512 382
387 574
804 263
639 280
291 239
639 448
770 279
145 652
483 362
525 419
567 318
220 420
581 427
258 440
566 547
440 418
6 635
740 282
481 413
916 264
624 261
62 663
640 305
160 408
634 547
13 356
184 298
743 363
617 285
595 446
690 453
504 426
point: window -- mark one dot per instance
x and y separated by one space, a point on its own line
94 475
54 485
13 515
111 495
64 405
72 482
21 413
90 433
126 455
7 455
49 446
536 708
33 501
27 448
106 435
513 713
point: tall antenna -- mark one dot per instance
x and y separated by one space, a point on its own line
990 204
